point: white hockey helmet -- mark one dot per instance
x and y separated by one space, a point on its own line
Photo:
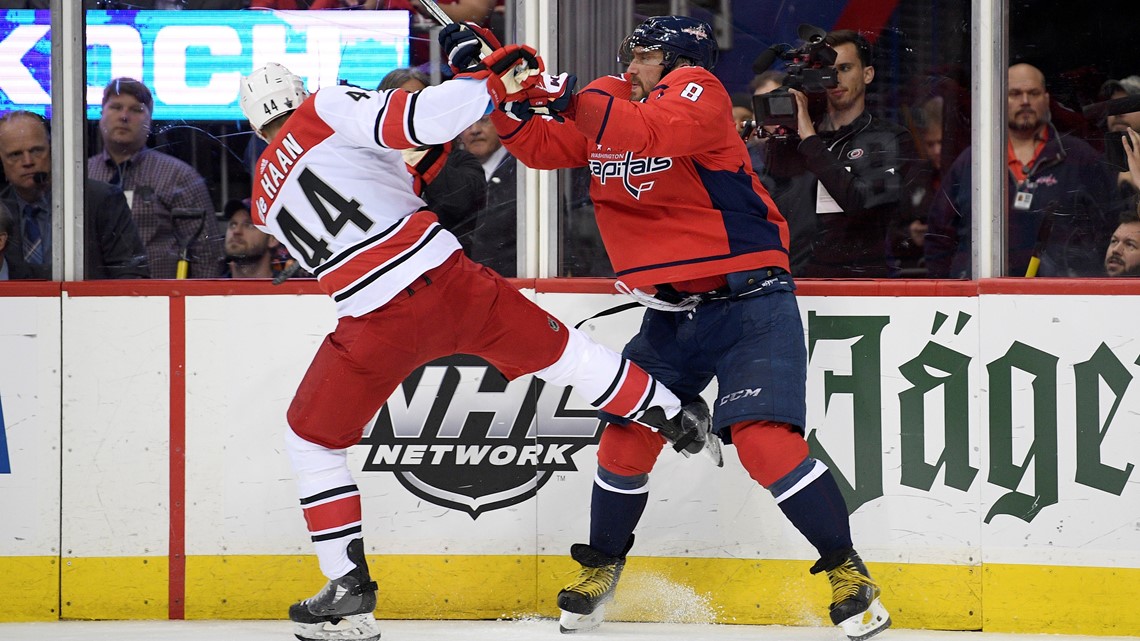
269 92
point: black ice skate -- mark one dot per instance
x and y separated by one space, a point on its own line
342 610
583 602
690 431
855 604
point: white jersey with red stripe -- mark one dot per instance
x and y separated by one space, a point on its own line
334 188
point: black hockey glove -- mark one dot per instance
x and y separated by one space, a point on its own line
465 44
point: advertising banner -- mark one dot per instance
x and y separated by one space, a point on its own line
193 60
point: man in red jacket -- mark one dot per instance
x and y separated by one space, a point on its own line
680 210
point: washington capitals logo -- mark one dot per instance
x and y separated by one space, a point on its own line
628 168
696 32
458 434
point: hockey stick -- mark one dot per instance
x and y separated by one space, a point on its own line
436 13
443 19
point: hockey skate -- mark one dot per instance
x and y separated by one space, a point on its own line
855 604
690 431
342 610
583 602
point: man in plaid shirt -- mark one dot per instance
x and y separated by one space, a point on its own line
163 192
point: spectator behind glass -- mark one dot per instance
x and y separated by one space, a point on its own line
249 251
169 200
1117 125
1058 192
906 238
459 190
496 228
1123 255
856 174
111 245
7 230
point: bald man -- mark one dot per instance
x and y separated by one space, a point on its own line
1060 196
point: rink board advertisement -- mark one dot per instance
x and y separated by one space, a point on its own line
984 443
30 453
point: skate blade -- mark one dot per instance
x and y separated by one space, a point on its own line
571 622
355 627
867 623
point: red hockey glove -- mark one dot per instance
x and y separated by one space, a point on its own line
550 96
508 70
464 44
425 163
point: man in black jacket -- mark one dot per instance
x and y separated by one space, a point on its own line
496 230
112 247
849 176
10 271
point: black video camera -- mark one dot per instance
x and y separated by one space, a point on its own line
810 68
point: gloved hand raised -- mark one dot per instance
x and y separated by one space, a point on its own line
550 96
465 44
508 70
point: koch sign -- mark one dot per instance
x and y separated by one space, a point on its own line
193 60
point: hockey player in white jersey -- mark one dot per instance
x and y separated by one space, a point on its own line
334 188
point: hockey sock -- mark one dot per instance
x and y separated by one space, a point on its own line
330 500
613 384
810 498
615 508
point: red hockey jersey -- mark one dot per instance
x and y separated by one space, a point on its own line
674 192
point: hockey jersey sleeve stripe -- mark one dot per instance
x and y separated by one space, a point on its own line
391 129
333 515
380 120
410 117
379 256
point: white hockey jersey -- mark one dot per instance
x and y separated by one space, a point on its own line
334 188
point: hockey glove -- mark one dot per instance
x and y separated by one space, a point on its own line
465 44
509 70
550 96
425 163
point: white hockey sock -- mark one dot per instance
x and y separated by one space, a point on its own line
610 382
330 500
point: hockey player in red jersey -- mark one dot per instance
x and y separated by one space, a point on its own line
334 188
682 213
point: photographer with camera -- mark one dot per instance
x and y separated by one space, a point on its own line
851 172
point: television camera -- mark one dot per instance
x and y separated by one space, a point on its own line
810 68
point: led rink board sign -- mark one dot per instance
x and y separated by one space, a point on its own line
193 61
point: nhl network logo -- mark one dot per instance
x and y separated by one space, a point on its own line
457 434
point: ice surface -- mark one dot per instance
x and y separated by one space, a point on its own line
524 630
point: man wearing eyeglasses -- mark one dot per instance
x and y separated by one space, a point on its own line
112 248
